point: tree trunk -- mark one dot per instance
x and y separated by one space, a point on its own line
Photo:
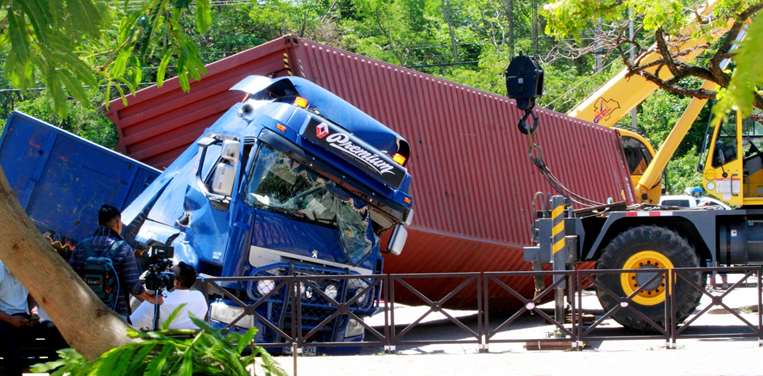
84 321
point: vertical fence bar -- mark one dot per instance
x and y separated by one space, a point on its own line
486 311
296 322
393 335
571 285
480 314
579 291
387 310
672 277
668 309
760 306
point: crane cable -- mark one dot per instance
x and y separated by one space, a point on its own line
535 153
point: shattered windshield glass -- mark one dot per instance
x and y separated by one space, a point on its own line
282 184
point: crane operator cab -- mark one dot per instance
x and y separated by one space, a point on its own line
733 167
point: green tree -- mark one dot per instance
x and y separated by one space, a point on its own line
72 45
668 24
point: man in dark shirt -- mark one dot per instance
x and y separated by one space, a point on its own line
123 258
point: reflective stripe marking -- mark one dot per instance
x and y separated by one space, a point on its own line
559 210
558 228
558 246
649 213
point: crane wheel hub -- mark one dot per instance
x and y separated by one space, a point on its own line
652 289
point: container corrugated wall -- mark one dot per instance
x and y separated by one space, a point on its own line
473 182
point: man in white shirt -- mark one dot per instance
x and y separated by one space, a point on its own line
195 303
14 320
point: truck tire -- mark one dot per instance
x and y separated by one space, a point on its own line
645 247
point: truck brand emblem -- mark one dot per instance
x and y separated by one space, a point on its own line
343 142
315 253
321 131
353 150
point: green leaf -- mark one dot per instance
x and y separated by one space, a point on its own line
175 312
162 70
137 362
268 363
245 339
747 79
183 80
203 16
186 368
119 67
156 366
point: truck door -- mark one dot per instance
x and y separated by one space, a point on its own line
208 199
752 143
723 173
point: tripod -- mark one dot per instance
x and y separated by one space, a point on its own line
158 293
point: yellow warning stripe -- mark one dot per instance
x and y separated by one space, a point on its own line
557 229
559 210
286 64
558 246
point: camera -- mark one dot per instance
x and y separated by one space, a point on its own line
158 273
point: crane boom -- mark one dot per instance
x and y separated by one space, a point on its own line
607 105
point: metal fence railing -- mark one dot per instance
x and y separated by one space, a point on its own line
483 326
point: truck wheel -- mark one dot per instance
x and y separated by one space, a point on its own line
647 247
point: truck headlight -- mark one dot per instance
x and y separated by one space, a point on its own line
265 286
224 313
331 291
354 329
355 285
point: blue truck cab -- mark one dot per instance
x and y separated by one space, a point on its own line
291 180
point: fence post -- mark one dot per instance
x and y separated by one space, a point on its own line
670 319
393 335
574 319
387 310
760 307
483 348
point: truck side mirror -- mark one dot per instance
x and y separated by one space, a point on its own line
231 151
223 179
225 171
397 240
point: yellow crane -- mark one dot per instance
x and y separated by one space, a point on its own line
612 101
658 241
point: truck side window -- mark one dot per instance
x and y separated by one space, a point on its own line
211 157
636 155
726 143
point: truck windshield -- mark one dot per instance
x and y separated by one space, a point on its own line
281 184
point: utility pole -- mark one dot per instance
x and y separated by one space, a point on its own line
632 56
535 27
509 5
597 53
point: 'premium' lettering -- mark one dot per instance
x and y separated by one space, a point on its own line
342 142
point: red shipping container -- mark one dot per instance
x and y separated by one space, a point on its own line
473 181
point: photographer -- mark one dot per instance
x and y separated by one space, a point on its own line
97 258
195 304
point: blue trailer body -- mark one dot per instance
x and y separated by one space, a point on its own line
61 179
